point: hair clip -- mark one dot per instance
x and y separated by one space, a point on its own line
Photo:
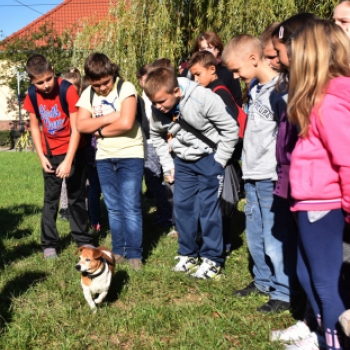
281 32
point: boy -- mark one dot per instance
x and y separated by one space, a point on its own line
269 51
199 170
265 230
119 157
202 66
60 153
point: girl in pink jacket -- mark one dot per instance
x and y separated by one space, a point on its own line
319 104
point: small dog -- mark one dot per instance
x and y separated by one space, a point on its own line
97 268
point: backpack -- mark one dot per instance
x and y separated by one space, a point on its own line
242 116
141 117
63 88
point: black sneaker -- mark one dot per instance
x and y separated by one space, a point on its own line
64 214
250 289
274 305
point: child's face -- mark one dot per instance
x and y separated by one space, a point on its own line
243 68
44 83
272 57
341 17
204 45
104 85
203 76
165 102
281 49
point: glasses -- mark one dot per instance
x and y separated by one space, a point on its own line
207 49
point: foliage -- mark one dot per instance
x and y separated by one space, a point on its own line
137 33
42 304
4 138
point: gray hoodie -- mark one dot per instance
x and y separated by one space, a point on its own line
259 143
206 112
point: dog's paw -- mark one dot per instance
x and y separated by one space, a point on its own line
94 310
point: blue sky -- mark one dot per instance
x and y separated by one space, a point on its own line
15 14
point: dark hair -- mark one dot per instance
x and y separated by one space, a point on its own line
212 39
98 65
143 70
289 27
38 65
160 78
204 58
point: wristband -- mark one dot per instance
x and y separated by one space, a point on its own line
100 133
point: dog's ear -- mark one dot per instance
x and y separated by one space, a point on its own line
78 250
96 253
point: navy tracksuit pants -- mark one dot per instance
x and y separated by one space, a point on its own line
196 203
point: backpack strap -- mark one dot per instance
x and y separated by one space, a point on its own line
63 88
222 87
34 101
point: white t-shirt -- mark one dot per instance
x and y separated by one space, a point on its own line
126 145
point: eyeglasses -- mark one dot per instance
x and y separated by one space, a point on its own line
207 49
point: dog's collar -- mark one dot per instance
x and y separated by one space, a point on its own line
91 276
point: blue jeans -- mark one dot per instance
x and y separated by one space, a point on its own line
267 235
121 183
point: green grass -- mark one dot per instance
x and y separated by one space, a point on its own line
42 304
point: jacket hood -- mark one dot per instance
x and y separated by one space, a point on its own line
186 86
339 87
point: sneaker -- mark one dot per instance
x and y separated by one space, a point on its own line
50 253
207 270
314 341
293 333
185 264
64 214
136 264
344 320
250 289
119 259
274 305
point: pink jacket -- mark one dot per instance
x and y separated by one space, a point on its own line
320 163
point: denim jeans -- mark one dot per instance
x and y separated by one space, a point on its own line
121 183
267 236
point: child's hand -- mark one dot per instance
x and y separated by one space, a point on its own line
46 165
63 170
170 178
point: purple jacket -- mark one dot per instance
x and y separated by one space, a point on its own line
287 137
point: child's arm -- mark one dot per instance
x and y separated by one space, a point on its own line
36 136
63 170
125 121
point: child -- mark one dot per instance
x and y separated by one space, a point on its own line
73 76
153 171
341 16
319 104
60 153
265 230
199 170
269 51
119 157
202 66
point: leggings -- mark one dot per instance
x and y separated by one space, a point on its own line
320 257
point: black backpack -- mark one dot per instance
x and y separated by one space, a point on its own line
141 117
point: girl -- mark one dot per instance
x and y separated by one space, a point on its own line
319 104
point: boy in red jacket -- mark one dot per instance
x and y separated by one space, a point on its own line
60 153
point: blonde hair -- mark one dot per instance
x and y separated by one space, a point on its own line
320 51
243 44
73 75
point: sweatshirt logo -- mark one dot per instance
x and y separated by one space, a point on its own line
263 111
51 119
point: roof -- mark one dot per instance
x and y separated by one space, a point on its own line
69 14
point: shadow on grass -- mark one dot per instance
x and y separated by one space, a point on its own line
14 289
120 279
10 218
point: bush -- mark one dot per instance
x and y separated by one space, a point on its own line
5 138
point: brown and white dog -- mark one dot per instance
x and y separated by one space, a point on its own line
97 268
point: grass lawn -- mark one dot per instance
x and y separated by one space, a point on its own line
42 304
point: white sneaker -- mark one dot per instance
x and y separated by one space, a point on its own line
207 270
293 333
185 264
315 341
